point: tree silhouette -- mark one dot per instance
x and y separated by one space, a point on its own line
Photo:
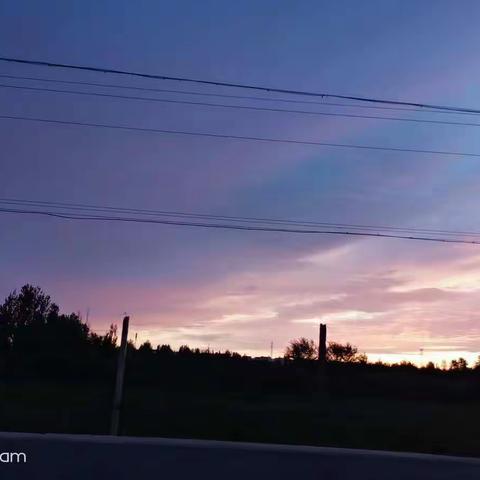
31 322
145 347
459 365
165 350
36 338
185 350
338 352
301 349
477 363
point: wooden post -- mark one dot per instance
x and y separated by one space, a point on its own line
118 396
322 345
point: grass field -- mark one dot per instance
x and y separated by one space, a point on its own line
358 421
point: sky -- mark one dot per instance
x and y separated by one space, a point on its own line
243 290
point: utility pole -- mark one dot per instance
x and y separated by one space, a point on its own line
271 349
322 345
118 396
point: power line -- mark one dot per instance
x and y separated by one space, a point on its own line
234 85
239 97
239 107
239 137
160 213
235 227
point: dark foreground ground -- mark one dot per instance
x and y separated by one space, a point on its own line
53 456
440 426
62 456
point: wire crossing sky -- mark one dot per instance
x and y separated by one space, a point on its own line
357 105
239 137
225 226
160 213
243 107
42 63
164 131
70 212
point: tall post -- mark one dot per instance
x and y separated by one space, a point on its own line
322 344
118 396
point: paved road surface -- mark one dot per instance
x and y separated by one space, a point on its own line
86 457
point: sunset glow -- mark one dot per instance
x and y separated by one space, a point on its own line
241 290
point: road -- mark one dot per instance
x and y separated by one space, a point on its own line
72 457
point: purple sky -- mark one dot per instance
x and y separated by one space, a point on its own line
231 289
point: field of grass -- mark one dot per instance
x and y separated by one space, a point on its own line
316 418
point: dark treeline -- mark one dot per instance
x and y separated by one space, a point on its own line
57 375
37 341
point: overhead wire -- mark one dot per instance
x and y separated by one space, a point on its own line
339 229
242 219
226 226
239 137
233 84
238 107
230 96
